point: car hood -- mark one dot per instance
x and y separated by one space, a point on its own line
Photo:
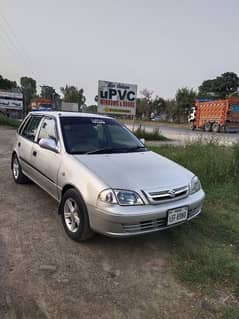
136 171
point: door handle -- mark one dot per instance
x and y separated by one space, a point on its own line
34 153
19 144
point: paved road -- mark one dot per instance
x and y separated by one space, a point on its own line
44 274
184 135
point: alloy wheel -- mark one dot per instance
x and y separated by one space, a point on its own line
71 215
15 168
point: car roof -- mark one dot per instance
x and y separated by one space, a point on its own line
68 114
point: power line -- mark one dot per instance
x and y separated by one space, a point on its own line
15 37
10 34
11 45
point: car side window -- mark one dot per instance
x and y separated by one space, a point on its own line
23 124
30 129
48 129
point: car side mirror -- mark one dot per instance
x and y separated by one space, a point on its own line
142 140
49 144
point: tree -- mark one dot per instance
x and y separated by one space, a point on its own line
185 99
145 103
91 108
140 107
220 87
29 89
6 84
48 92
207 89
73 95
158 105
171 110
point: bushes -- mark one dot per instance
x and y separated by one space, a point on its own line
4 120
214 164
150 136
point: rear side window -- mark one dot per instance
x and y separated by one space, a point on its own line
30 129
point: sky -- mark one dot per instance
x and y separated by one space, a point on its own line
156 44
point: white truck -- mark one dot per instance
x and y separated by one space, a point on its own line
69 107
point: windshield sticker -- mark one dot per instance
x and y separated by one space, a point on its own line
97 121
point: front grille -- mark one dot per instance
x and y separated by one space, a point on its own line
160 196
145 225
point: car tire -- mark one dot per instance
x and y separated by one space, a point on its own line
17 173
74 216
224 129
215 127
208 127
192 126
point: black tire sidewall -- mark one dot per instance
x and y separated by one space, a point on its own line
217 126
84 231
223 129
192 126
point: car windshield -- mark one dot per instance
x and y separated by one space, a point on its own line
88 135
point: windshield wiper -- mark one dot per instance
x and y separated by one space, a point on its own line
107 150
104 150
136 148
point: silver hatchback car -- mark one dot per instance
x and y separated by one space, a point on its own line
103 177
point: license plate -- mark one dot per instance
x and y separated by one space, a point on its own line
177 215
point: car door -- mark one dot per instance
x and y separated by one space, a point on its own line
47 162
25 142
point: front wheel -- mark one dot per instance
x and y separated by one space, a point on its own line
17 173
208 127
192 126
74 216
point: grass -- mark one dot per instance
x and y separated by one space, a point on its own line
4 120
150 136
156 123
206 251
231 313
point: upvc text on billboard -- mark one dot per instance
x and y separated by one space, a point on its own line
117 98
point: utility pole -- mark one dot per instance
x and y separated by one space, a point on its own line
25 107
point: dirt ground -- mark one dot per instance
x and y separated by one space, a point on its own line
44 274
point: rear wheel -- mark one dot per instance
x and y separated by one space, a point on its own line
75 216
223 128
215 127
192 126
17 173
208 127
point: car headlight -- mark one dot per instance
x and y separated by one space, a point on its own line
107 196
121 197
195 185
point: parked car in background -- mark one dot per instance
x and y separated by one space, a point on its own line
156 118
104 179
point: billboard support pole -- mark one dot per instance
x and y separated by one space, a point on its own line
133 122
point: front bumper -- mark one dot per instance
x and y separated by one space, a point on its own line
125 221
